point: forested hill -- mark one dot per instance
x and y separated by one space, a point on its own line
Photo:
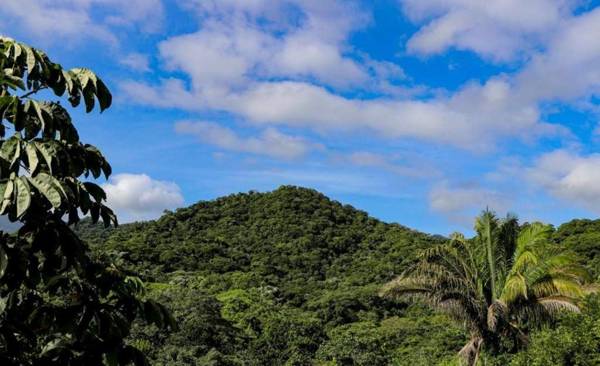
583 237
293 238
287 277
294 274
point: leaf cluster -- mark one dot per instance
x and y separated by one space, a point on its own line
58 305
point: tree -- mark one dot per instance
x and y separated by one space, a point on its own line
57 305
575 341
500 284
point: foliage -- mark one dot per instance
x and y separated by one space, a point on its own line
203 336
393 341
57 305
583 238
289 277
575 341
500 284
288 268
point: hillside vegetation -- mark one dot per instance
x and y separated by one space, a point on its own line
291 277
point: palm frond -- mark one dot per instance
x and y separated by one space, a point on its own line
556 304
514 288
531 237
496 312
557 285
402 287
525 259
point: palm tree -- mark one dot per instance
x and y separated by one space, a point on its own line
499 285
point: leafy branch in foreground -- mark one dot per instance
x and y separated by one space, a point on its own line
57 305
499 285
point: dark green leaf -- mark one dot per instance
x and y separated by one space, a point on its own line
47 185
23 196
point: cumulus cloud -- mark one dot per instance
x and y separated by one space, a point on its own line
472 119
234 42
460 203
138 197
414 168
569 49
570 68
270 143
496 29
568 176
136 61
226 61
76 19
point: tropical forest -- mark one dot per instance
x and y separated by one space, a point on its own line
274 183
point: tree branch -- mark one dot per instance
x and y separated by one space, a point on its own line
26 95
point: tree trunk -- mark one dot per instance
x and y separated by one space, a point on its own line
477 353
489 243
471 351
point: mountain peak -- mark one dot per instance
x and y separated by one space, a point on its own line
291 232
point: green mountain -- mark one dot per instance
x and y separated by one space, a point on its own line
288 277
293 238
583 237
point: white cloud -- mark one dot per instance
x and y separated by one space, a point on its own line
147 14
139 197
303 55
570 69
233 43
136 61
473 118
496 29
41 18
413 168
226 62
568 176
270 143
460 203
76 19
561 49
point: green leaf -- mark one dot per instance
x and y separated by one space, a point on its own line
8 196
88 98
108 217
95 213
37 109
23 196
5 104
82 75
3 261
84 200
3 303
85 76
54 344
48 151
111 359
68 81
46 185
11 150
95 190
30 58
103 94
32 157
17 50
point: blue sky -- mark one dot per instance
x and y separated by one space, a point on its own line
421 112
